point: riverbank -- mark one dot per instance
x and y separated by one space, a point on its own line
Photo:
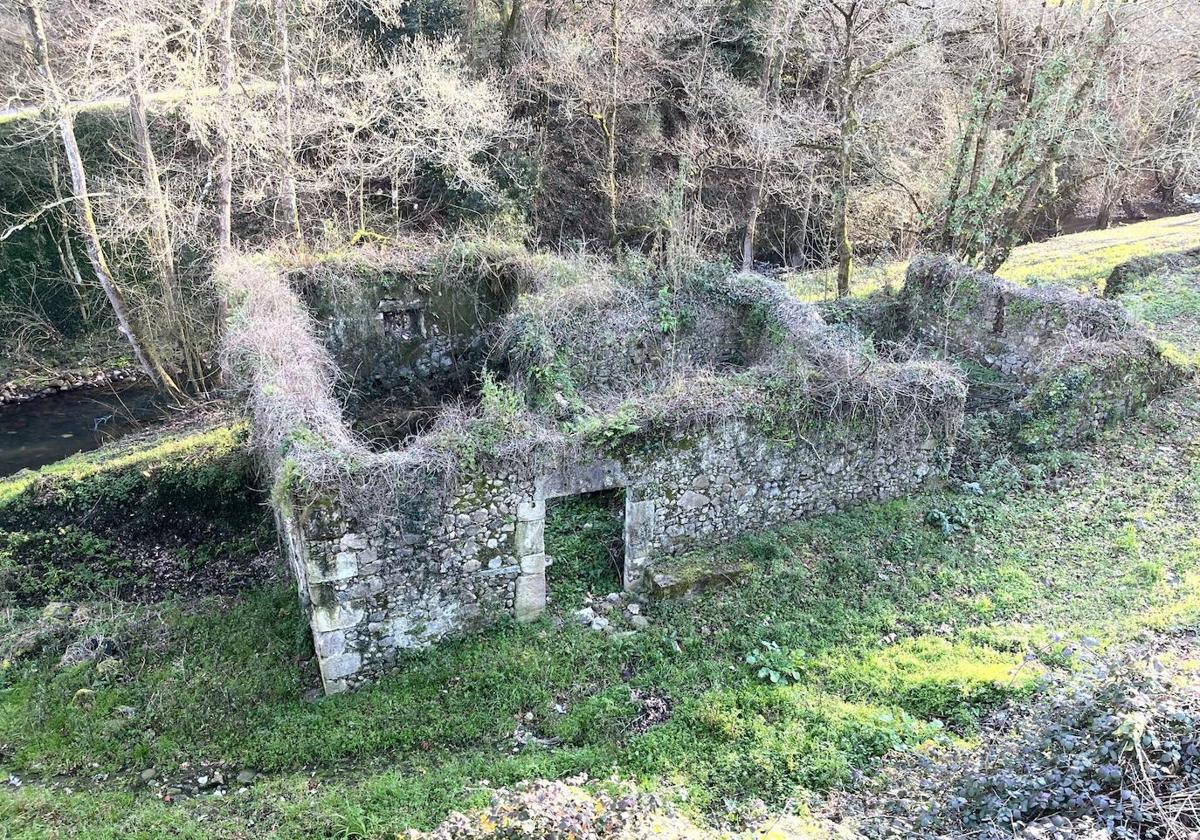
30 385
174 511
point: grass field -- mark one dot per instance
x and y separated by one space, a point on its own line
1084 260
867 631
1081 260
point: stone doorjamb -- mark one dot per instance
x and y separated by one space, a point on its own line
530 600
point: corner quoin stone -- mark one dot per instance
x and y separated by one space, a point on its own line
531 511
530 598
340 666
343 567
336 617
531 536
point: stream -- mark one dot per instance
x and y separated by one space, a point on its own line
48 429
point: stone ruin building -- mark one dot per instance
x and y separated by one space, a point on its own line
495 381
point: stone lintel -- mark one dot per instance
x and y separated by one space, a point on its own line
581 478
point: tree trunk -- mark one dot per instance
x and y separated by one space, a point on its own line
510 37
755 205
841 195
610 119
841 232
225 178
1107 200
470 26
290 204
143 351
974 143
193 367
1014 221
846 129
1132 214
66 251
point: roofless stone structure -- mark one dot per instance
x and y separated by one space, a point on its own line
716 407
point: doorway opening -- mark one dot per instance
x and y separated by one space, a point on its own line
585 536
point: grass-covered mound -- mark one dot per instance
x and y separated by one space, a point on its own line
1080 261
175 510
1084 260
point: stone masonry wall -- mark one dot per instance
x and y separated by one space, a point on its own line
1019 331
397 334
1080 363
398 582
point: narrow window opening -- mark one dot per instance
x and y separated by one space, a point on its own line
403 320
998 324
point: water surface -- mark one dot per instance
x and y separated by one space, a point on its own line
48 429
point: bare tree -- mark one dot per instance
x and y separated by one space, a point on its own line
175 309
225 63
856 28
143 350
287 98
1022 126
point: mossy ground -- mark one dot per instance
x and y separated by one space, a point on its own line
884 631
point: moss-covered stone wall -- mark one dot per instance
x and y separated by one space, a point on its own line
395 580
1078 363
405 331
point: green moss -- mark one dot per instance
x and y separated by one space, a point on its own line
964 305
1027 308
612 431
206 445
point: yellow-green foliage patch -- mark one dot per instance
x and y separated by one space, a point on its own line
930 677
1168 301
173 450
1083 260
821 284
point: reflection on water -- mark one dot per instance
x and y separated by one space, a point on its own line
48 429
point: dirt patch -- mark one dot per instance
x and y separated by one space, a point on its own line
656 709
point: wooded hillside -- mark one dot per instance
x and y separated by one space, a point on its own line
138 140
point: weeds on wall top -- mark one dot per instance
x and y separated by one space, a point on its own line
595 359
